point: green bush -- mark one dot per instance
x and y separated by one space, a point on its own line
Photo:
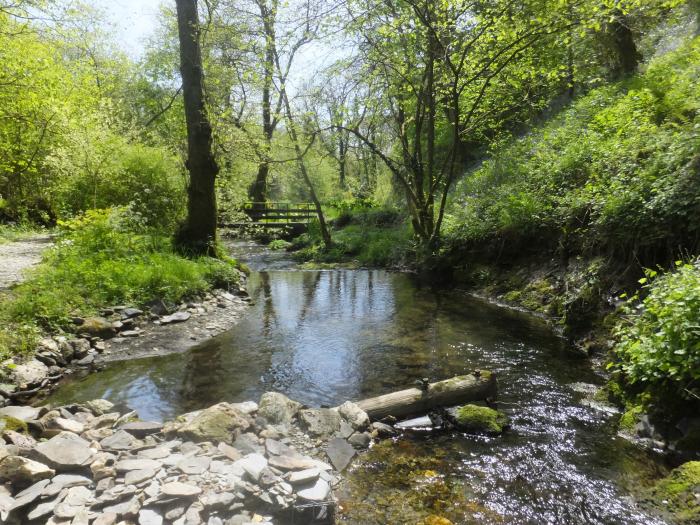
659 341
101 260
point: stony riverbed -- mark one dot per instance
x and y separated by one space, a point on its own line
233 463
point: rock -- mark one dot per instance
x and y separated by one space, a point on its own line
120 440
105 518
177 317
360 440
353 414
79 496
97 327
65 481
29 495
177 489
277 408
293 461
248 443
217 423
158 307
141 429
318 491
23 413
130 333
81 347
228 451
320 422
193 516
383 430
479 420
677 494
126 509
65 451
102 466
302 477
253 464
104 421
246 407
21 441
22 471
43 509
85 361
340 453
217 500
194 465
150 517
126 465
99 406
29 374
130 313
68 425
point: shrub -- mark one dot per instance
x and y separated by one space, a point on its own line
659 342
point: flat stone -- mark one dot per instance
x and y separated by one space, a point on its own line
306 476
318 491
150 517
340 453
23 471
136 477
43 509
68 425
79 496
292 462
120 440
155 453
194 465
106 518
177 489
65 451
104 421
320 422
125 465
248 443
29 495
126 509
25 413
65 481
253 464
217 500
130 313
141 429
229 451
177 317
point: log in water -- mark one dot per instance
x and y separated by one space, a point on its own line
450 392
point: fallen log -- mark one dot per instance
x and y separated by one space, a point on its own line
450 392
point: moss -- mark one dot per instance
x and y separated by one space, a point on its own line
676 493
14 424
481 420
513 296
436 520
629 420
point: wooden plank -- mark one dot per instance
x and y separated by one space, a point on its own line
450 392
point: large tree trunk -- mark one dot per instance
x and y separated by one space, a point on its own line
197 235
627 54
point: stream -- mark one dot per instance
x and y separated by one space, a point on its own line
322 337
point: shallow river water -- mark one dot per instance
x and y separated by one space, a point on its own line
323 337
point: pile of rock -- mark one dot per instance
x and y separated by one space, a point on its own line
94 335
232 463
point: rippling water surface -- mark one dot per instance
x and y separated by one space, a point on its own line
326 336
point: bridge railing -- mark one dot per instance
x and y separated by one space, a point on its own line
280 212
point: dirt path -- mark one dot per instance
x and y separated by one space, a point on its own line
17 256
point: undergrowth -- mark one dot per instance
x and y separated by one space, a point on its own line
102 258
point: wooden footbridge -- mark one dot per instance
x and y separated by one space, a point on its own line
275 215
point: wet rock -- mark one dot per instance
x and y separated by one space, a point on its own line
320 422
340 453
22 471
141 429
218 423
353 414
29 374
97 327
479 420
177 317
65 451
277 408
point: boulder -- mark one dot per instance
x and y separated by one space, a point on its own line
100 407
353 414
677 494
81 347
29 374
277 408
23 413
97 327
477 419
217 423
66 451
320 422
23 471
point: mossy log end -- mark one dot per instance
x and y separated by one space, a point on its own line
450 392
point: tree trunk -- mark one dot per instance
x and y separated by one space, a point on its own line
628 56
450 392
197 235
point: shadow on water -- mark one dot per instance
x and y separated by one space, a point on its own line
323 337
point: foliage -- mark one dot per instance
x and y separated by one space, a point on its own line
104 258
617 171
659 344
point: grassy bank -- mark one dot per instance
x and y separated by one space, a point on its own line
103 258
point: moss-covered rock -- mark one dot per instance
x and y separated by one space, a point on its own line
480 420
628 420
679 494
14 424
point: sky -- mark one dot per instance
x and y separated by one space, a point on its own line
133 21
